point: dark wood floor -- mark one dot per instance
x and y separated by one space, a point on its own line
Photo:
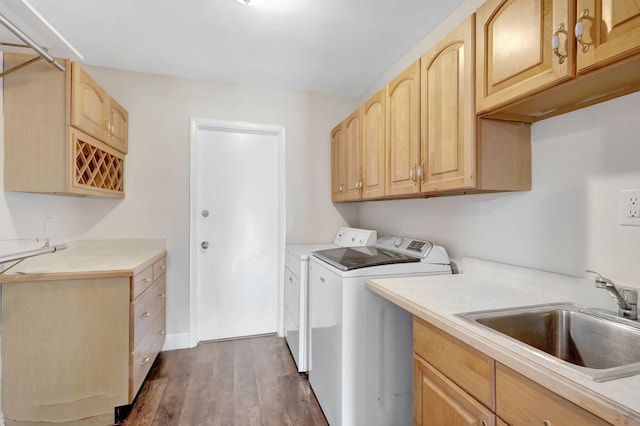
238 382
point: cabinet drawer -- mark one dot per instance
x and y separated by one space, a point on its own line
522 401
142 281
146 308
468 368
145 353
159 268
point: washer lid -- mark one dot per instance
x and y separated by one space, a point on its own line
346 259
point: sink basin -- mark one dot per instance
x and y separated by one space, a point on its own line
596 344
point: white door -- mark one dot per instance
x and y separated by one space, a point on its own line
237 232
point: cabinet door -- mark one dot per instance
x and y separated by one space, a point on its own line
353 153
448 112
439 402
611 31
89 104
118 124
373 139
514 48
337 164
403 132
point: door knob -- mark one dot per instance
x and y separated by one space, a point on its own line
205 245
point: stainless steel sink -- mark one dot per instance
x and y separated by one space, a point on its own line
594 343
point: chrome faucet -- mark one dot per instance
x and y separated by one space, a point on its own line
626 298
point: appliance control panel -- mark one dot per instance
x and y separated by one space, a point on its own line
404 245
355 237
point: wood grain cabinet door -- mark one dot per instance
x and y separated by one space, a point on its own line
118 130
403 132
373 141
439 402
448 112
514 48
89 104
353 155
337 164
611 31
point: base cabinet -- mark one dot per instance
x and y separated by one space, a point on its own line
74 349
455 384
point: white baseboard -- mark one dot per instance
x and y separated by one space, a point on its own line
176 341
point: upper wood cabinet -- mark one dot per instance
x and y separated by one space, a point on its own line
459 152
93 111
403 132
541 58
63 134
448 113
338 164
611 31
514 54
353 155
434 142
373 145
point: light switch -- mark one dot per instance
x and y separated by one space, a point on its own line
630 207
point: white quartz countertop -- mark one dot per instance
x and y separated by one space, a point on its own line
437 300
89 257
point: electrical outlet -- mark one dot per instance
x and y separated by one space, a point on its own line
630 207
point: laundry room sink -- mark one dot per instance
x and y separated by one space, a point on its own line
594 343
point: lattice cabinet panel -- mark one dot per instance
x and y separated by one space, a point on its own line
97 167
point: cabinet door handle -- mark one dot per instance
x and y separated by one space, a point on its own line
145 281
412 174
162 333
145 360
161 296
580 31
145 315
547 422
555 44
421 172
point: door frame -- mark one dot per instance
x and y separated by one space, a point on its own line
197 125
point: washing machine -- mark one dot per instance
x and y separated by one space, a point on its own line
296 329
361 345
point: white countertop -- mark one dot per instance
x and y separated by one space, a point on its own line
126 257
487 285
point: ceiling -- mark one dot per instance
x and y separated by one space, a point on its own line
327 46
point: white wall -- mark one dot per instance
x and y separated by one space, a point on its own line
157 171
567 223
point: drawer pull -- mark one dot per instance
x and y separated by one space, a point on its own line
161 296
484 423
162 333
145 360
145 281
145 315
547 423
162 268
